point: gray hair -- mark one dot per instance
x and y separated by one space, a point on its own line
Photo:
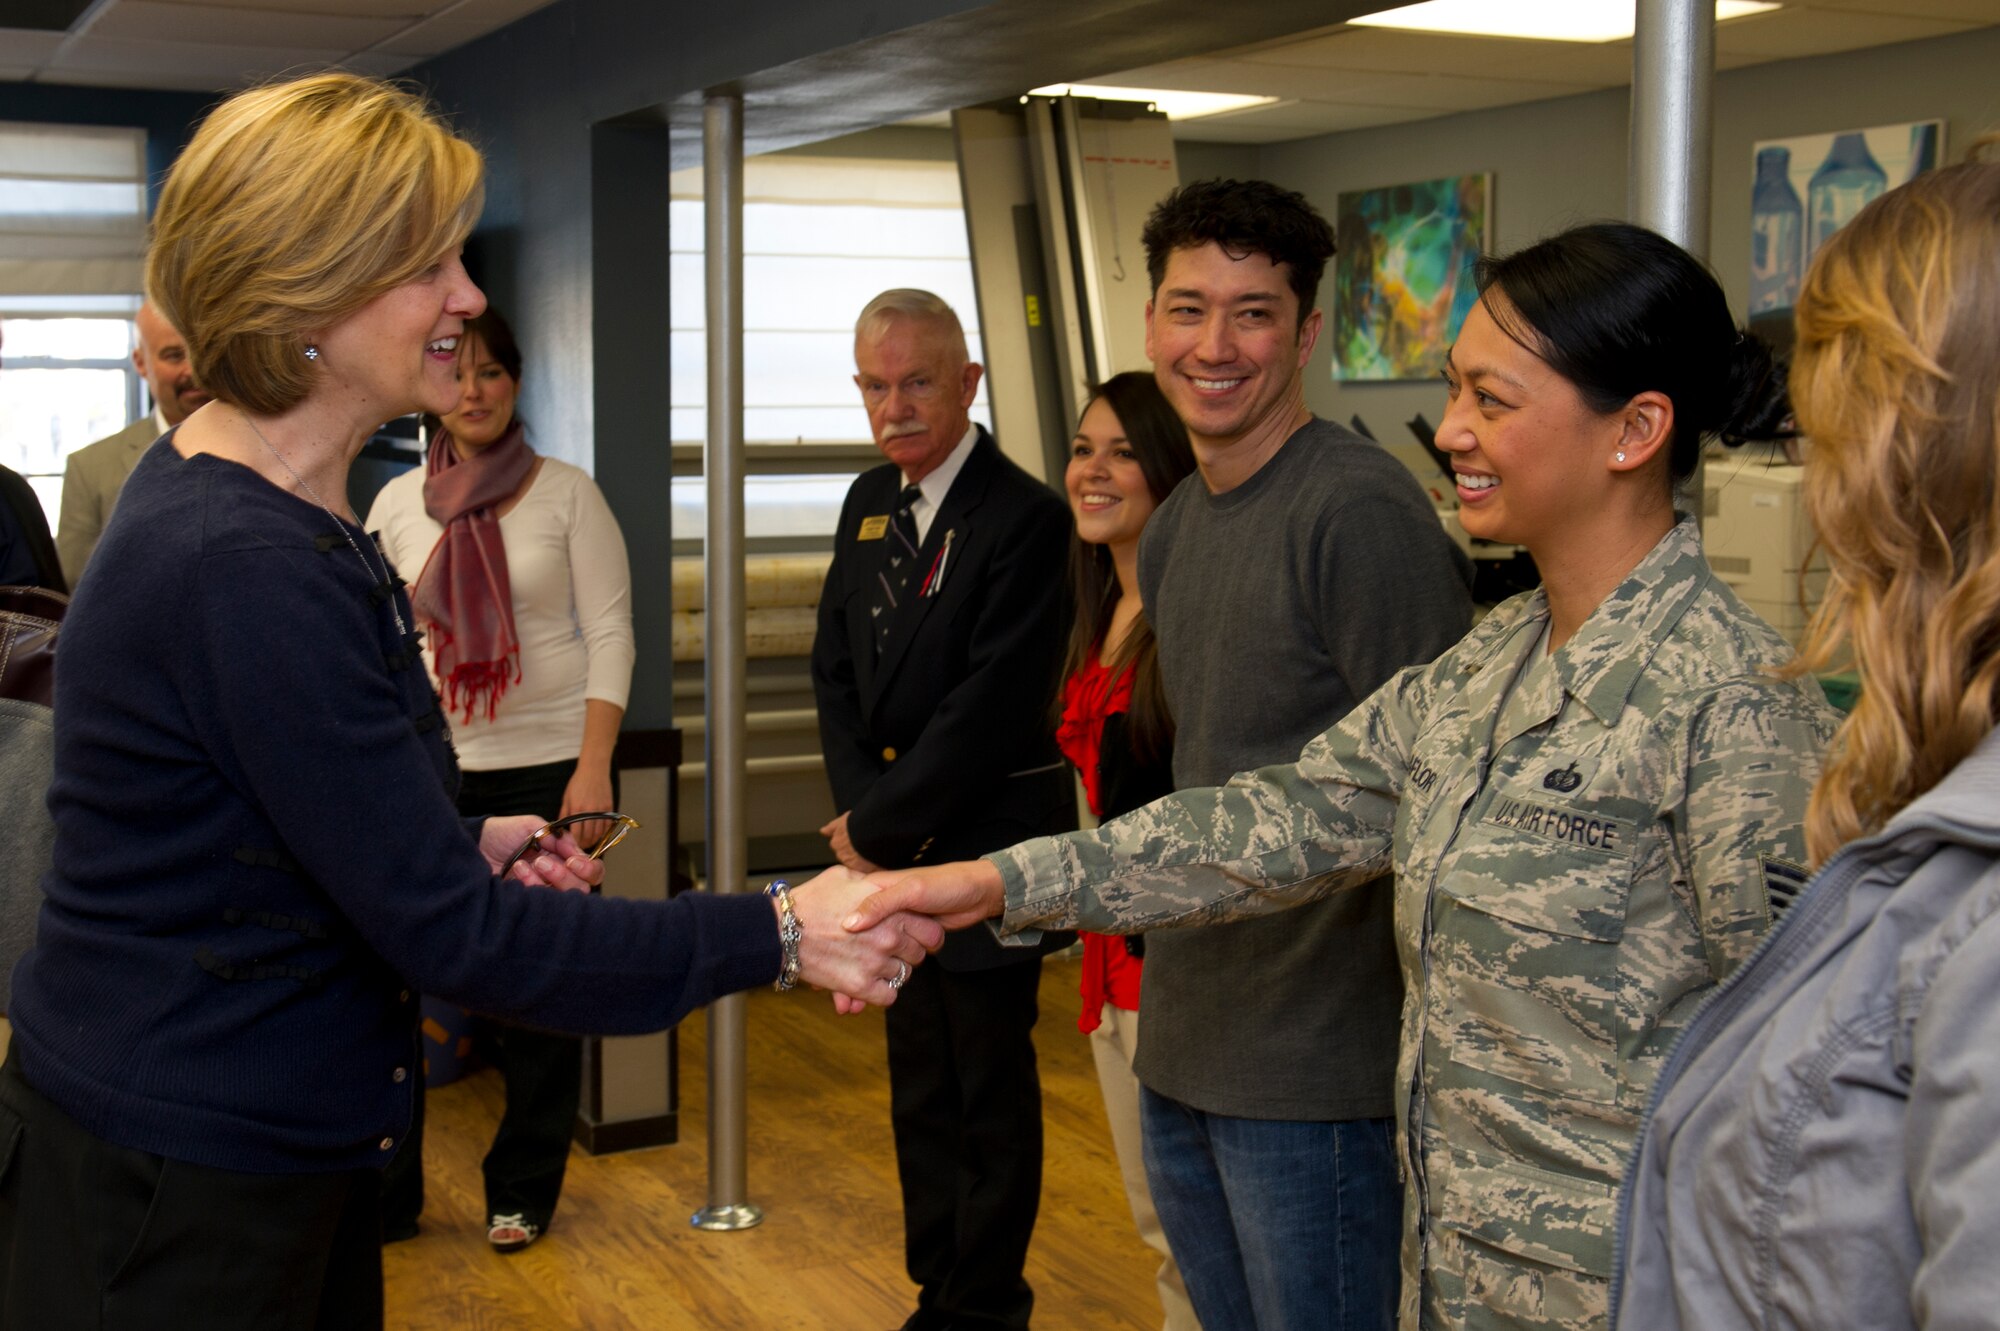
911 303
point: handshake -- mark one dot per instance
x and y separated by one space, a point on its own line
862 934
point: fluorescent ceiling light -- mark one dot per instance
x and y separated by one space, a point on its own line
1172 104
1543 20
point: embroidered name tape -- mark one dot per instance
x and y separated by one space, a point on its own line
1573 827
873 529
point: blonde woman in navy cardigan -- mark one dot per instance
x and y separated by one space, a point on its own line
257 861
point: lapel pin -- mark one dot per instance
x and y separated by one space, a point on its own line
934 580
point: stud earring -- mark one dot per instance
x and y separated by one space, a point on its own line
312 351
1621 456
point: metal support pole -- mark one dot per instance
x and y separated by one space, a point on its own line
1673 82
722 194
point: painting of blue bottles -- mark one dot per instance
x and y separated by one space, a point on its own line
1807 188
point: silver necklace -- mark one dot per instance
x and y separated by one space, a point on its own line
394 609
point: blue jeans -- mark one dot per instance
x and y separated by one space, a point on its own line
1277 1225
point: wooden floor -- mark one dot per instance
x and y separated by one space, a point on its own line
828 1256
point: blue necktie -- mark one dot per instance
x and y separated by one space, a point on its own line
892 582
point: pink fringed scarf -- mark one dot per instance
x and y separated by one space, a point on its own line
464 593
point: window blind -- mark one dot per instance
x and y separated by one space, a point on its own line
72 211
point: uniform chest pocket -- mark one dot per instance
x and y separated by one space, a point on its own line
1528 922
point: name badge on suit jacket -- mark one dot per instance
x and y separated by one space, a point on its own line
873 529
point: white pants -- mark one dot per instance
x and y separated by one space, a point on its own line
1112 1045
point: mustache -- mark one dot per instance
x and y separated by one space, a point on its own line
899 430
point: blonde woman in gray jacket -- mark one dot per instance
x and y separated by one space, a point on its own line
1823 1148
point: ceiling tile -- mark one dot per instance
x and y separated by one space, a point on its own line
1378 49
187 65
23 46
1154 76
1788 34
1319 117
454 28
1295 121
1983 12
1444 92
409 11
155 79
1449 92
155 20
378 64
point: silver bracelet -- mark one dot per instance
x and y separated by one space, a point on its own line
789 934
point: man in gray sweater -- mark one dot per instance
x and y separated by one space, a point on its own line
1288 579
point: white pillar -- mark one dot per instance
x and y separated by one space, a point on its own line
1673 83
728 1206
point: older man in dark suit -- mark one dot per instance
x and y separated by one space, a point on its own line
941 632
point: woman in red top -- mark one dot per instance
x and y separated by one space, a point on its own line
1130 451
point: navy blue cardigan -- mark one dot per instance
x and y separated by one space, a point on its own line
257 859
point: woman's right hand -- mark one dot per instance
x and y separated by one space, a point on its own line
868 964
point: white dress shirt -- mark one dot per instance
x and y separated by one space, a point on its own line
938 483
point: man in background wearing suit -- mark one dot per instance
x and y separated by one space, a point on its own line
96 473
940 640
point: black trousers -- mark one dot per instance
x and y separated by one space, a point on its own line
96 1237
966 1103
544 1072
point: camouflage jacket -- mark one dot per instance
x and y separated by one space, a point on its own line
1584 844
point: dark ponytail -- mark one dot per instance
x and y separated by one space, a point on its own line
1619 310
1758 397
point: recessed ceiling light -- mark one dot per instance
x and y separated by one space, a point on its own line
1543 20
1172 104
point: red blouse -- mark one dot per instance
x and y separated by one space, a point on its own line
1110 973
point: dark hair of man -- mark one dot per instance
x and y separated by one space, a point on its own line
1160 444
1243 217
1618 310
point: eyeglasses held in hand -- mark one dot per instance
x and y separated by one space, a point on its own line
621 827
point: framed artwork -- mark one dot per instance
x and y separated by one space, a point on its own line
1808 187
1402 281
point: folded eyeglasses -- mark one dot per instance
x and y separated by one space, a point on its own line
621 827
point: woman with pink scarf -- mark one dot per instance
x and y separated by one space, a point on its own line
521 582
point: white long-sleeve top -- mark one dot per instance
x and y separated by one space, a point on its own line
572 611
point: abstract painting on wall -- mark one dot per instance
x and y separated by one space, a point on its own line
1809 187
1402 282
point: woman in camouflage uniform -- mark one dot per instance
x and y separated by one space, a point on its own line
1592 804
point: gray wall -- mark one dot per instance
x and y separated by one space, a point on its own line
894 143
1559 162
1217 161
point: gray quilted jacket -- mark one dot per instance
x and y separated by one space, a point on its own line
1823 1149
